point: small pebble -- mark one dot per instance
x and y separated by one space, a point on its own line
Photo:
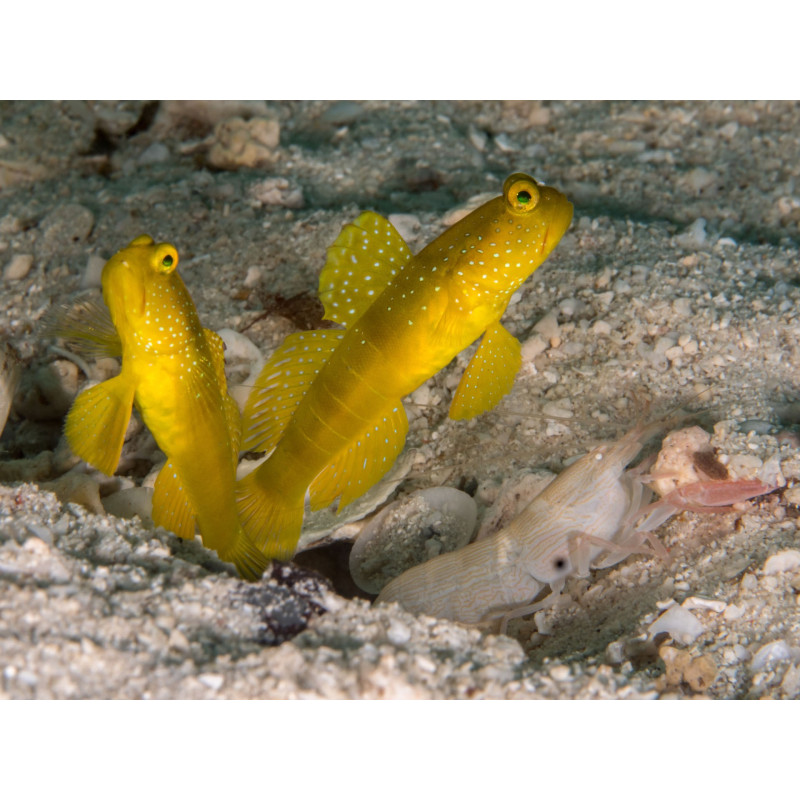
749 582
540 115
478 139
673 353
91 278
782 561
505 144
425 664
239 143
407 225
759 426
178 641
129 503
744 466
700 179
399 633
701 673
733 612
212 680
694 237
18 267
342 112
547 326
156 153
792 496
559 409
277 192
691 603
253 276
676 662
555 429
532 347
770 654
791 681
41 532
571 306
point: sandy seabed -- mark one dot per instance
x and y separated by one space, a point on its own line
677 280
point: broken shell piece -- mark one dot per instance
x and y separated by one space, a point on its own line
47 393
27 470
77 487
243 363
679 623
9 378
135 502
332 523
409 532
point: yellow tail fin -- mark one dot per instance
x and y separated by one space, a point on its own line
96 424
246 557
271 519
171 507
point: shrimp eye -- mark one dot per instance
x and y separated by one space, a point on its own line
521 193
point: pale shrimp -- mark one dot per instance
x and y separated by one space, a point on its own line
561 532
594 514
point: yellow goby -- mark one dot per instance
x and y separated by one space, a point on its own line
329 401
173 369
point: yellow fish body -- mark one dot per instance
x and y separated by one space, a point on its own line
329 401
173 369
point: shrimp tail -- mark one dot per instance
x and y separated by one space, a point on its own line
271 519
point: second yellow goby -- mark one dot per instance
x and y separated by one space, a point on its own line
173 369
328 402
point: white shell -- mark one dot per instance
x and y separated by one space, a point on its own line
409 532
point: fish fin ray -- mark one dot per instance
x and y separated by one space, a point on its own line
233 416
270 519
282 384
246 557
489 375
358 467
171 507
96 424
367 254
234 419
86 327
